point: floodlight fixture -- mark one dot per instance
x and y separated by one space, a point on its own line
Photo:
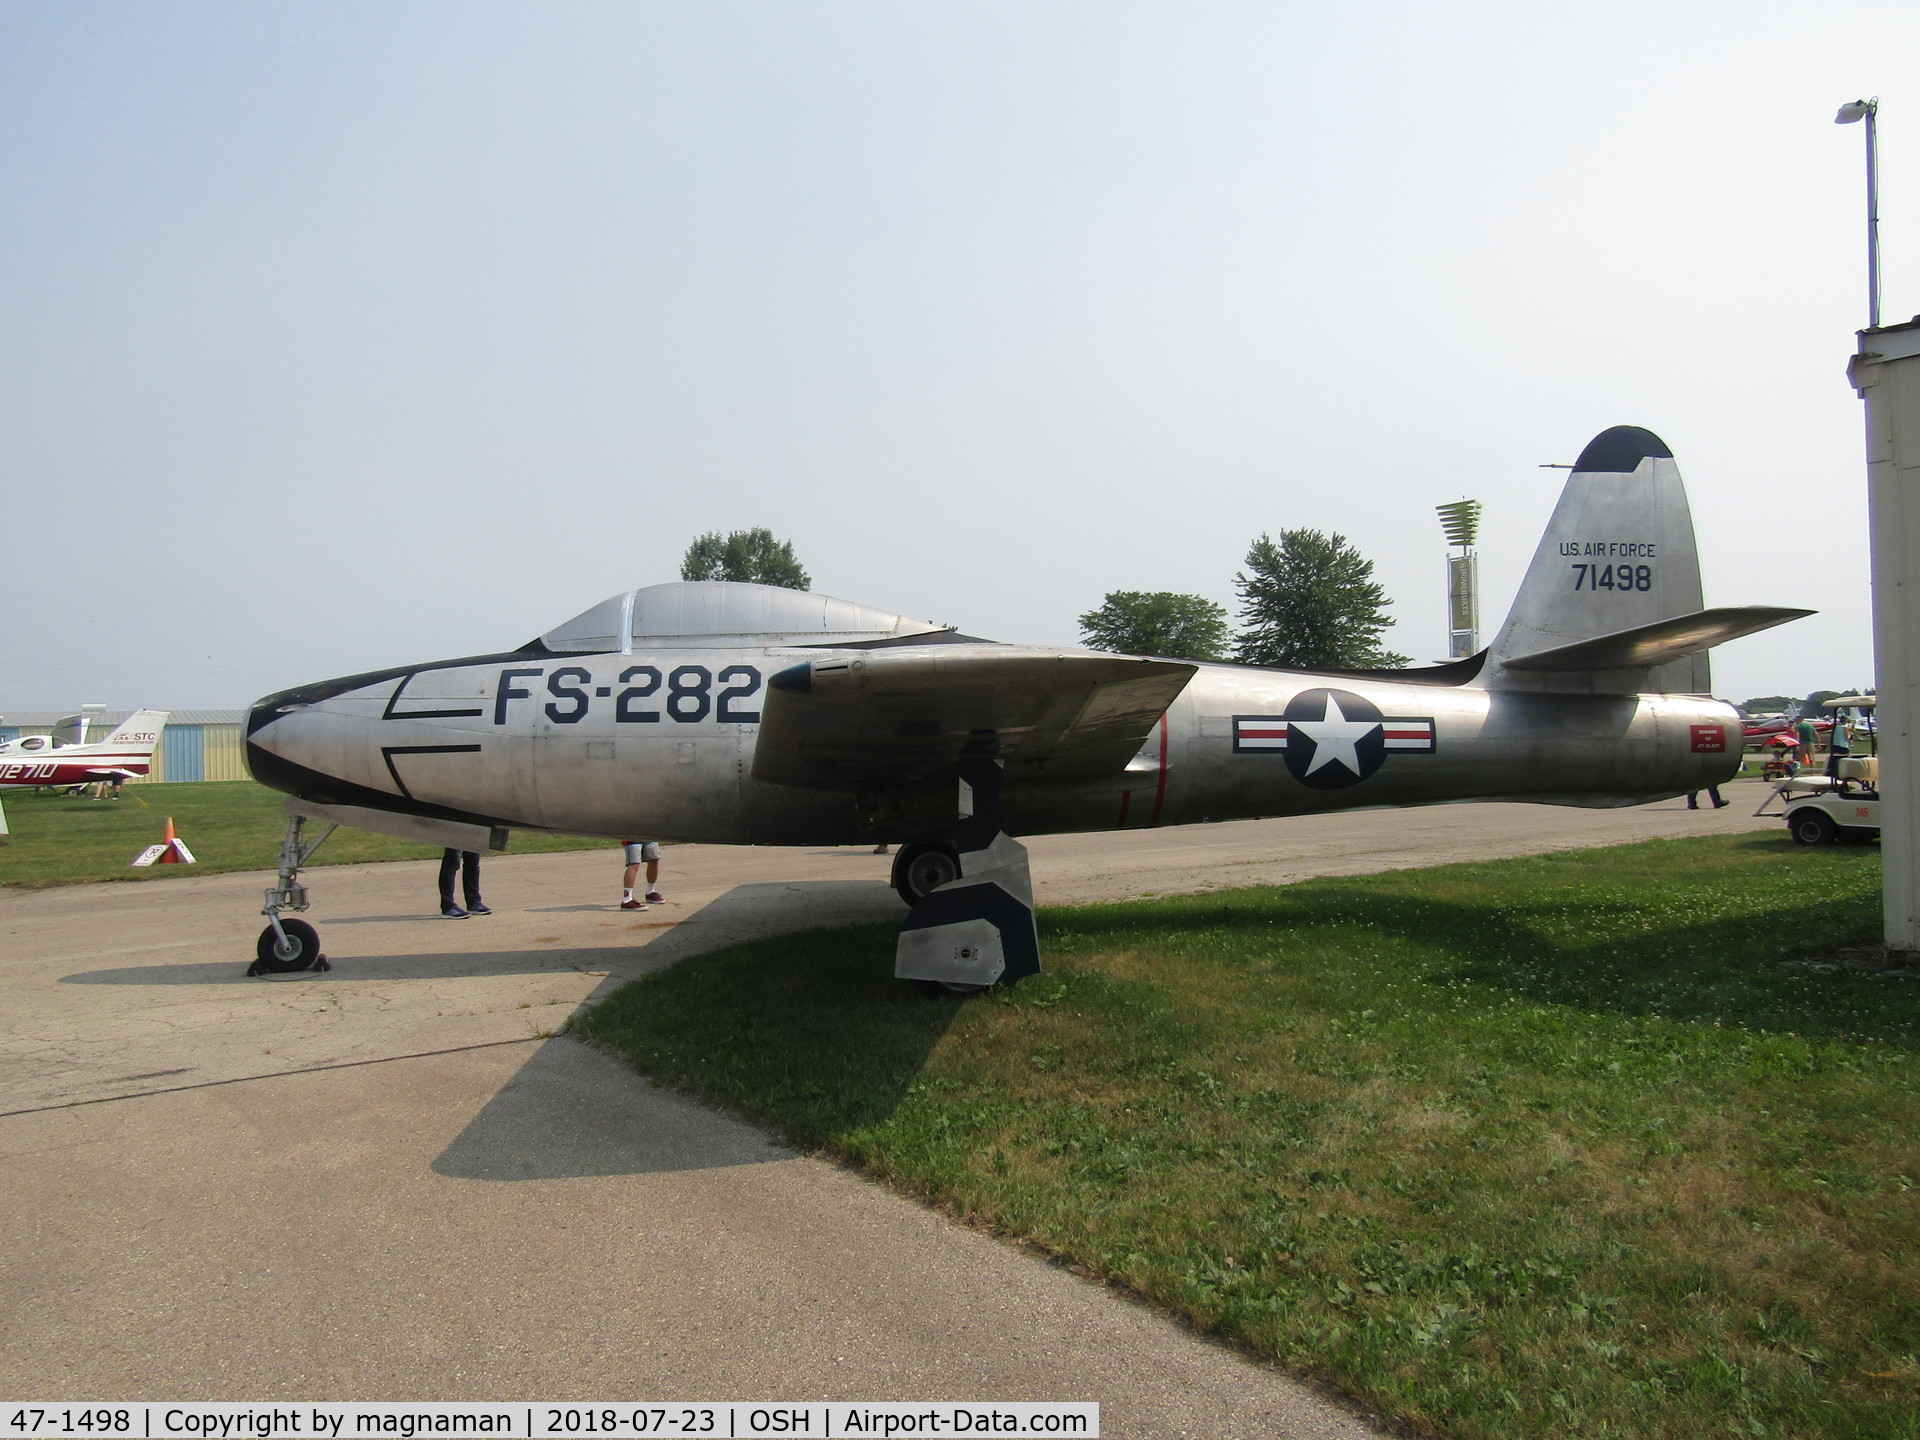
1869 111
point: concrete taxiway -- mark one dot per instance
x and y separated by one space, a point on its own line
386 1182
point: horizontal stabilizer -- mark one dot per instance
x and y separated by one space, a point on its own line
1660 643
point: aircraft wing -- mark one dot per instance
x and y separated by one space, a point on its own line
1661 642
902 714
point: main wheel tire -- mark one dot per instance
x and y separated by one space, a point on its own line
1809 826
304 939
921 868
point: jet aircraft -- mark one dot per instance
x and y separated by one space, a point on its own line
732 713
127 753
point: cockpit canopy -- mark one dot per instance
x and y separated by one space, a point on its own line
720 612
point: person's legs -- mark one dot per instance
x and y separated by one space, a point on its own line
634 850
449 867
652 853
470 882
1713 794
1693 799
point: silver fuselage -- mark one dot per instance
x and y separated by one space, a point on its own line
660 744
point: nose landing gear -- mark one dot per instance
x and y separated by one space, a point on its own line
288 945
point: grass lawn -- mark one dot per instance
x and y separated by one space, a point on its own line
227 824
1550 1146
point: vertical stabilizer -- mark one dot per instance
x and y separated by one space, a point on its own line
142 728
1618 554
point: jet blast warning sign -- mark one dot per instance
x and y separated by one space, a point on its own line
1709 739
627 1420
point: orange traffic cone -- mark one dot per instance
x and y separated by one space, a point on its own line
171 850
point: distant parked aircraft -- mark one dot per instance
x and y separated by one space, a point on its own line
35 760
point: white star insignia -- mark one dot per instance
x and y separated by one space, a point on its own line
1334 737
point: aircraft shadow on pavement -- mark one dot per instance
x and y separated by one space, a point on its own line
574 1111
430 965
659 938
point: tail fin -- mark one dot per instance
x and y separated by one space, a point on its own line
140 728
1618 555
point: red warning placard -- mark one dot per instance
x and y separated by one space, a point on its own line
1709 739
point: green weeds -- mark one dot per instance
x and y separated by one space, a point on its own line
227 824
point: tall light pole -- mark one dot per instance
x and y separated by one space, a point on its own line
1886 371
1869 111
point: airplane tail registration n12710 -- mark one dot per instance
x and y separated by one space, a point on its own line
732 713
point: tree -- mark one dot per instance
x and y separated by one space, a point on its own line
1309 602
1157 622
752 555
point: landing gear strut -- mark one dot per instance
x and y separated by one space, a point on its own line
972 920
287 945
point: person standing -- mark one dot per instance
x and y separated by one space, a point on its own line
465 864
639 852
1839 743
1713 794
1804 737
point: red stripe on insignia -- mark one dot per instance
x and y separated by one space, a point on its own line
1160 785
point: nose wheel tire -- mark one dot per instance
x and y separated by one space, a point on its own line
921 868
303 941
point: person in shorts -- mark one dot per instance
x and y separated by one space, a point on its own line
640 852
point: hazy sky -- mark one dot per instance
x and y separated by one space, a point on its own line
344 335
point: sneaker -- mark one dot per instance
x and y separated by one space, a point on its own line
632 905
477 909
654 897
452 912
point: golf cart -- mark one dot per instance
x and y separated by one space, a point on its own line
1844 802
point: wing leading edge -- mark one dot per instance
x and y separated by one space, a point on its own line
894 715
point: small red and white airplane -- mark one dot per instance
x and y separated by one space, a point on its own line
124 755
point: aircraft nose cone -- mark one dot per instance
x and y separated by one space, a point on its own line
262 763
281 751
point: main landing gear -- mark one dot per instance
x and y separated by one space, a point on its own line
972 921
921 868
288 945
